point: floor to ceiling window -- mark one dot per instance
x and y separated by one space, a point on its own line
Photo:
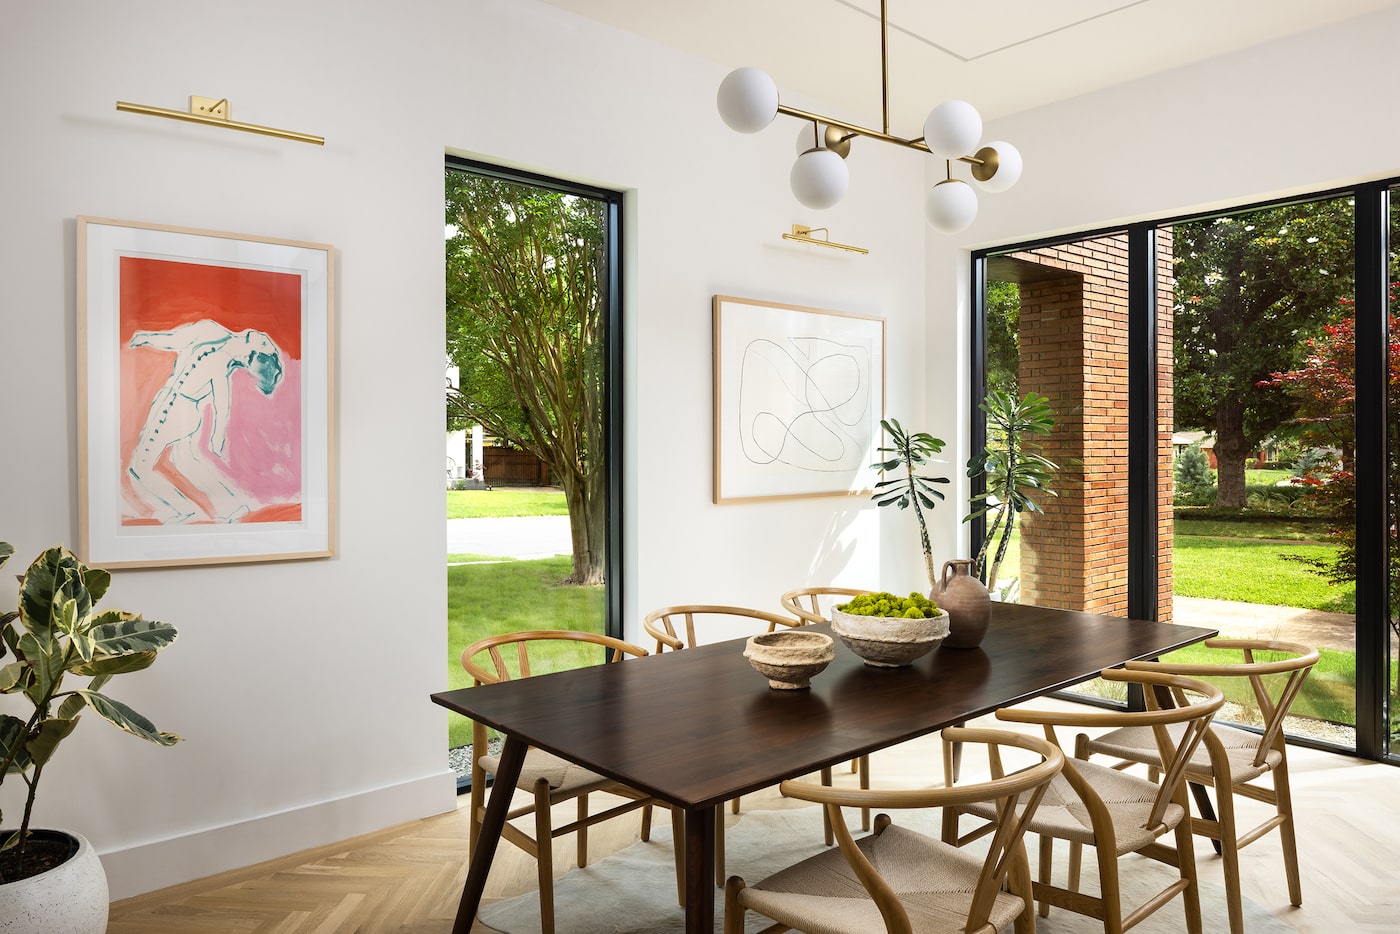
533 412
1207 388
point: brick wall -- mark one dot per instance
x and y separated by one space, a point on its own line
1074 351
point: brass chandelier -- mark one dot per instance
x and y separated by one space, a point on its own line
748 102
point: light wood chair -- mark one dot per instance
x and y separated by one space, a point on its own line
1112 811
900 881
813 605
1230 759
686 626
548 778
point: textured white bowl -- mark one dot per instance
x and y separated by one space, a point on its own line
890 641
789 658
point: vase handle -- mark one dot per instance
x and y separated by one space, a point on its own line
943 583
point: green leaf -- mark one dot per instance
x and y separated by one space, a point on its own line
108 665
45 658
70 708
44 742
122 716
11 675
6 549
12 735
131 634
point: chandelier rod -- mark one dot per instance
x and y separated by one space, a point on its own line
885 63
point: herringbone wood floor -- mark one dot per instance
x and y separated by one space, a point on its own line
407 879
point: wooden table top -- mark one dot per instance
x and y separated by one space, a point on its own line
701 726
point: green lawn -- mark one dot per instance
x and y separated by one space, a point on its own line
505 501
1256 572
510 596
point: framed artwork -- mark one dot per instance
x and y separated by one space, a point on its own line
799 394
204 388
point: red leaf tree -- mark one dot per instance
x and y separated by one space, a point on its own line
1325 388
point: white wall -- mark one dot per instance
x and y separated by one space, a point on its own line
1303 114
302 687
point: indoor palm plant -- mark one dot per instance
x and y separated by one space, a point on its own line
57 631
911 452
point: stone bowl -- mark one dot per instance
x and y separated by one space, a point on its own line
890 641
789 658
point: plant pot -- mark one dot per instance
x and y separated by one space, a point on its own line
889 641
968 603
70 898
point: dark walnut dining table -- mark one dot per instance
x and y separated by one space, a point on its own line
699 727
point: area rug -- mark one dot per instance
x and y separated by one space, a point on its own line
634 890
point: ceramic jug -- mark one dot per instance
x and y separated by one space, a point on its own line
968 604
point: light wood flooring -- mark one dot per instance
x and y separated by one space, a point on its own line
407 879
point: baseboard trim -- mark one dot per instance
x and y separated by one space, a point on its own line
146 867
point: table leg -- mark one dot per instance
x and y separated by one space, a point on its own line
699 871
503 787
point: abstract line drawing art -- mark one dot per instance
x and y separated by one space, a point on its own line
206 394
799 394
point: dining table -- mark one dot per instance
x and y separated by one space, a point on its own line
699 727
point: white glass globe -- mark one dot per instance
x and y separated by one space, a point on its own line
1008 166
747 100
951 206
953 129
819 178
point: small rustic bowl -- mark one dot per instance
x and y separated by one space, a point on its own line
789 658
890 641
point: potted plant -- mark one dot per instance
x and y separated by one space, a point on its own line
1015 473
912 452
52 880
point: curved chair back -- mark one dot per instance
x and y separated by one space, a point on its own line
806 602
674 627
1017 795
500 670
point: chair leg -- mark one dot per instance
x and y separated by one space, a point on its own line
1283 801
544 856
1230 852
733 911
1047 861
478 801
734 806
646 823
1109 891
1186 864
1018 882
865 786
828 835
1076 859
678 845
582 833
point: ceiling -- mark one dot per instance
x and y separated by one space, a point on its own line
1003 57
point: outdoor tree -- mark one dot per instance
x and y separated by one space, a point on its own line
1250 290
1325 390
525 327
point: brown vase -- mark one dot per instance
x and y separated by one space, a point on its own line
968 604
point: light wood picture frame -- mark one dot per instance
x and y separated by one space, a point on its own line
205 396
799 394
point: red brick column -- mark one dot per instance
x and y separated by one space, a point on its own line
1074 351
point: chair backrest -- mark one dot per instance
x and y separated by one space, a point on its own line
1017 795
806 603
500 670
1169 703
673 627
1276 682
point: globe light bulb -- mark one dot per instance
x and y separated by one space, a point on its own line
819 178
953 129
951 206
1009 164
747 100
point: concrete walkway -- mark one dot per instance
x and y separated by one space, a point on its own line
1258 621
515 537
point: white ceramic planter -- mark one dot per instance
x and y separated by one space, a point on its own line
68 899
890 641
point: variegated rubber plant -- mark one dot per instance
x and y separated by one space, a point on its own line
60 632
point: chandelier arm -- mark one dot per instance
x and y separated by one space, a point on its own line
885 64
918 144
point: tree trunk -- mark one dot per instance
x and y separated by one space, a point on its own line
587 499
1232 450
